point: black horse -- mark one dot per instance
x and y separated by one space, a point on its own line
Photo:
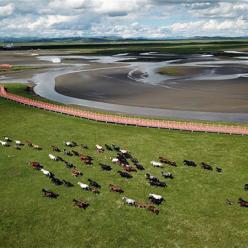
94 184
157 183
246 187
206 166
56 181
109 148
105 167
124 174
189 163
67 183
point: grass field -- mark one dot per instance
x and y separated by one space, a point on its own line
114 47
178 71
16 69
194 213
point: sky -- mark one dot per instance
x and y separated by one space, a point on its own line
123 18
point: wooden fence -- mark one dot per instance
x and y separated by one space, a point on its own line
134 121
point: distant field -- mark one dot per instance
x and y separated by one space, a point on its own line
194 213
113 47
16 69
177 71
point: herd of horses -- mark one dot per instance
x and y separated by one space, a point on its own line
127 165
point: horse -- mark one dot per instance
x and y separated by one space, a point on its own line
243 203
69 165
67 184
84 146
151 178
68 153
116 148
75 153
246 187
219 170
156 199
86 159
30 144
124 174
105 167
189 163
115 188
94 184
80 204
76 173
56 181
139 166
109 148
167 161
206 166
166 174
153 209
55 148
140 205
157 183
35 165
129 168
50 194
94 190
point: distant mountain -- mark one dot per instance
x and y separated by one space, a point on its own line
109 39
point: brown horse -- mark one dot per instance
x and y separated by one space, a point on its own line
76 173
115 188
243 203
86 159
50 194
153 209
80 204
129 168
167 161
35 165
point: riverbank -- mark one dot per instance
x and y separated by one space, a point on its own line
113 119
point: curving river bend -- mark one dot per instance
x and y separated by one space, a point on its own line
215 90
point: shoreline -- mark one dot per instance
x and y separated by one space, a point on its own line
45 83
115 75
131 121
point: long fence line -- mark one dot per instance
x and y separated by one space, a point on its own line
111 118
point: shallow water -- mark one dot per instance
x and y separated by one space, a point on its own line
140 72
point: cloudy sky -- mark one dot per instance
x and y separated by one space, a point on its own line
125 18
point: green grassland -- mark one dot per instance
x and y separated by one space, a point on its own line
23 89
176 71
16 68
194 213
113 47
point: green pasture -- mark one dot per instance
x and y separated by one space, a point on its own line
194 213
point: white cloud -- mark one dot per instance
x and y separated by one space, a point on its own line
108 7
232 27
26 26
126 18
128 31
48 21
114 6
7 10
67 4
223 10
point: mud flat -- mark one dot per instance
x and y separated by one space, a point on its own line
114 86
203 88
